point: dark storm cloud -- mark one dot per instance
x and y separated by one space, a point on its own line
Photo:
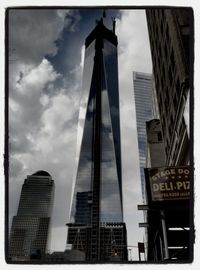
33 33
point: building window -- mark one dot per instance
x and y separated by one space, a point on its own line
159 135
161 27
167 96
163 72
170 76
171 120
159 51
170 131
175 101
163 14
178 87
166 50
172 60
167 33
166 105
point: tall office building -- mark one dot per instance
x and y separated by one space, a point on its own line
29 231
142 84
97 226
170 32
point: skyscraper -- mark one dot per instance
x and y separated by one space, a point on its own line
142 84
98 182
29 232
170 32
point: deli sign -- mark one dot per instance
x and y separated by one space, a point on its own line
169 183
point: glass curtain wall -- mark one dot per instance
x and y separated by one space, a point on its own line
99 111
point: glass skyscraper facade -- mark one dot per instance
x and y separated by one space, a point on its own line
142 83
97 198
30 227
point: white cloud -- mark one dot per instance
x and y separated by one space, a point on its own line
25 107
39 76
60 112
133 42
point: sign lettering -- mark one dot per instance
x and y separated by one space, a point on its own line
169 183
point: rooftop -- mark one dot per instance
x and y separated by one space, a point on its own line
41 173
100 32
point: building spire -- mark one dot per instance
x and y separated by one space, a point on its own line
102 17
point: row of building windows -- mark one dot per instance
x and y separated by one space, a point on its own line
168 73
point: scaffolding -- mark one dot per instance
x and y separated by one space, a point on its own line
113 246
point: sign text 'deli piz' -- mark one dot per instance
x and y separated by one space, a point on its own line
170 183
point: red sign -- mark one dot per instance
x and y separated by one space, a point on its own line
169 183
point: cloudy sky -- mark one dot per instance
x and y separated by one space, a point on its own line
46 51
